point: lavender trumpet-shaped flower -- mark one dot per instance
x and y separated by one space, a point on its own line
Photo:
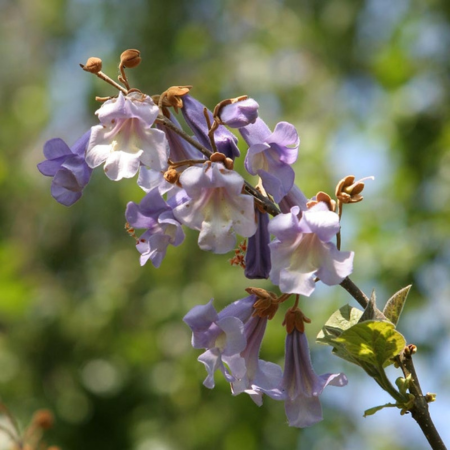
261 377
270 155
222 335
193 113
257 257
180 149
239 113
154 215
301 386
302 251
68 168
125 139
216 206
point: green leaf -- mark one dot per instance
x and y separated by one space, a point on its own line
372 411
372 342
372 312
394 305
340 320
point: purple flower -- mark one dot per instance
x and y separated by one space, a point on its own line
302 251
239 113
68 168
222 335
180 149
216 206
226 142
125 139
271 154
257 257
261 377
154 215
301 386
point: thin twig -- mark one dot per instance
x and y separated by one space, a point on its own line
355 292
420 410
169 124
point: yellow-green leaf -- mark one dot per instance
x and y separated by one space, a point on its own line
372 342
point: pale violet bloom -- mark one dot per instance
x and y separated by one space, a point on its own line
180 149
68 168
193 113
257 256
162 229
222 335
301 386
270 155
239 114
261 377
216 206
125 139
302 251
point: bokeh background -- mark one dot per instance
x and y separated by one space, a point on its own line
88 333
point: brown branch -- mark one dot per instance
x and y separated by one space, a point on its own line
419 411
355 292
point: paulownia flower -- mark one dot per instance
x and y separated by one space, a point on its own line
261 377
125 139
68 168
270 155
240 113
301 386
257 257
222 335
216 206
193 113
302 251
154 215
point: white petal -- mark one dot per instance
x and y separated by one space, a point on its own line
122 165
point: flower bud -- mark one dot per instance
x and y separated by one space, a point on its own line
217 157
172 176
93 65
348 191
238 112
295 319
325 198
228 163
130 58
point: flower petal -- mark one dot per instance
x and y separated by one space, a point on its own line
122 165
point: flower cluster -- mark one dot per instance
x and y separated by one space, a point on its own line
189 180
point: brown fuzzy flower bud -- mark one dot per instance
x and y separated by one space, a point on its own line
172 176
348 191
267 303
295 319
130 58
172 96
44 419
323 197
93 65
229 163
217 157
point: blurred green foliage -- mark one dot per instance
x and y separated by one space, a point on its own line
88 333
